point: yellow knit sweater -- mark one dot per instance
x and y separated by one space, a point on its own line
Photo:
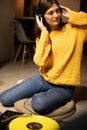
59 53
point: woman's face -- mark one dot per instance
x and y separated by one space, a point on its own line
52 16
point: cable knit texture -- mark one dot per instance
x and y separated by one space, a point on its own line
59 53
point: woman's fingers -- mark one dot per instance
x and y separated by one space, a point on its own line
65 11
40 23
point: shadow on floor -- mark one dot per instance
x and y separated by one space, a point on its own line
79 123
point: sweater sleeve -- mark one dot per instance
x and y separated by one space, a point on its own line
78 18
43 47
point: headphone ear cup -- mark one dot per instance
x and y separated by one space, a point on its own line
37 10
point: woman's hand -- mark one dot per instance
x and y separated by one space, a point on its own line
65 11
40 23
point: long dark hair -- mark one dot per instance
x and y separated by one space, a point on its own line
42 7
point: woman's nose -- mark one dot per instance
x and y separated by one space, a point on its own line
56 14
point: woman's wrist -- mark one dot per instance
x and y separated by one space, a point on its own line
43 28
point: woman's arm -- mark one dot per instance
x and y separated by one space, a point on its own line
43 45
65 11
76 18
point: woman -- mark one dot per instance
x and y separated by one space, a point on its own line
58 54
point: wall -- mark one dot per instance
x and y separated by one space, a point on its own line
6 30
19 8
72 4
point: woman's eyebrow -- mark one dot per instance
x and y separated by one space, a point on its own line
52 10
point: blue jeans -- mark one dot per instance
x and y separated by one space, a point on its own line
45 96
